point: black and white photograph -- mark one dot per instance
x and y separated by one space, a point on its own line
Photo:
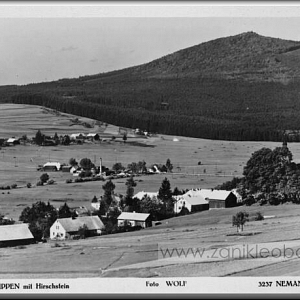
149 147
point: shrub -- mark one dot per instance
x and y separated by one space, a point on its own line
69 181
259 216
78 179
39 183
14 186
51 181
29 185
44 178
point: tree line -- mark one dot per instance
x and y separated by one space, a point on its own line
269 177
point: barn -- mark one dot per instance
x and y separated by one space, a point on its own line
219 198
15 235
68 227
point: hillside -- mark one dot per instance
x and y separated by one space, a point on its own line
247 56
243 87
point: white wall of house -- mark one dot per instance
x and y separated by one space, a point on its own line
178 205
57 232
131 223
96 205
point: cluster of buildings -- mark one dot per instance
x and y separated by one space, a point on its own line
196 200
69 228
51 141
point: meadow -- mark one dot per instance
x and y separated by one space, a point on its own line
197 163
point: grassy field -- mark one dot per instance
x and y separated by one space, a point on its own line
220 160
138 253
142 253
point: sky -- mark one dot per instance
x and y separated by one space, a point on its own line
37 45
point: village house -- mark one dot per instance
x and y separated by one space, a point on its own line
15 235
67 228
13 141
95 203
93 136
192 200
134 219
77 136
51 166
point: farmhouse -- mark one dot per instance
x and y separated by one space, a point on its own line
142 194
218 198
77 136
134 219
193 201
51 166
68 227
14 235
95 203
13 141
93 136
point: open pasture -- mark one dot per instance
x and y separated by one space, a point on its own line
197 163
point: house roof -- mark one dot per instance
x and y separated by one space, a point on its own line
71 225
76 135
213 194
133 216
15 232
192 197
11 140
142 194
52 164
92 134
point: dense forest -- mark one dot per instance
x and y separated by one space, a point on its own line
248 90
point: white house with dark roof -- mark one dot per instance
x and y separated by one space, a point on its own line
134 219
13 235
67 227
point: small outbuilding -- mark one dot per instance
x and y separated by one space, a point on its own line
66 228
134 219
15 235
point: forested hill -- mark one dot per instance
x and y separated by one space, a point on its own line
243 87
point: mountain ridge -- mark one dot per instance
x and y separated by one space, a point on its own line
247 56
